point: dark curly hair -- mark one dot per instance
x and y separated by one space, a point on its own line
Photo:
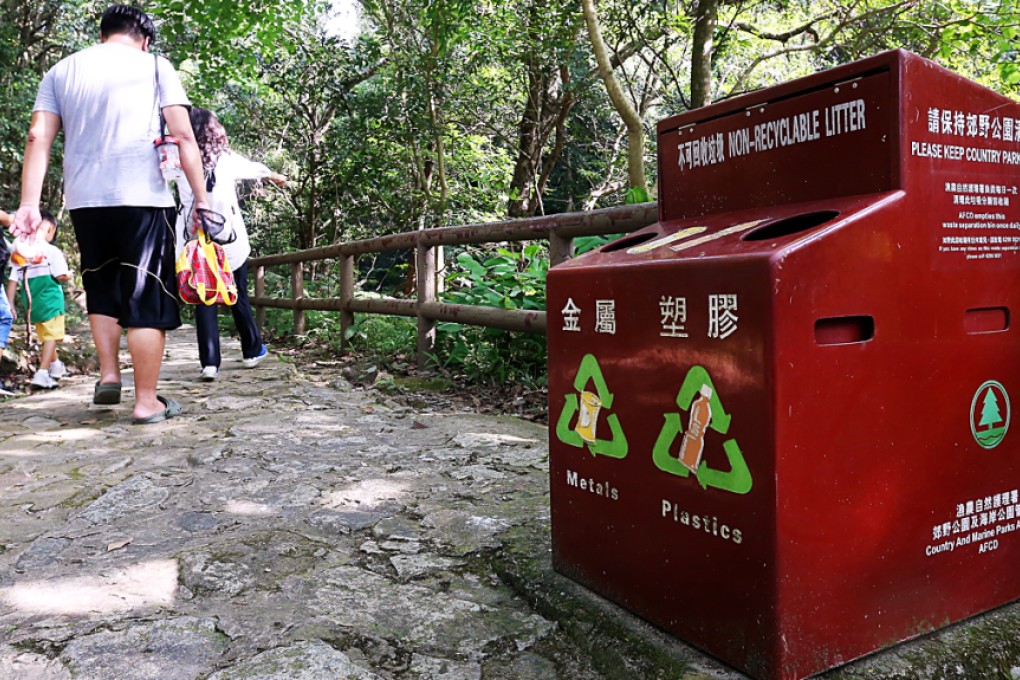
210 135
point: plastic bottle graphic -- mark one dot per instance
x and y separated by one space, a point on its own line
693 443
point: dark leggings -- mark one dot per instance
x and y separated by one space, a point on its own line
209 330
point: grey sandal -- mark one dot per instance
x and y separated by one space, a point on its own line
106 394
172 409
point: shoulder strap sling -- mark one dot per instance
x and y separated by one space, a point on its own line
159 101
162 132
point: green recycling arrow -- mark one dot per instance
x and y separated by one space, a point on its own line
613 448
738 478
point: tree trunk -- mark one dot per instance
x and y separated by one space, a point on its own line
548 101
561 142
440 149
306 232
529 145
631 118
701 58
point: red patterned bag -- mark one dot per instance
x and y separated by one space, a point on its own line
203 273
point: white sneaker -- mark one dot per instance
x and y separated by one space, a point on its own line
43 379
209 373
254 361
57 369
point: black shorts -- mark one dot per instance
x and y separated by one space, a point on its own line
127 264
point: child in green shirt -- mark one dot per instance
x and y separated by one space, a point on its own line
43 295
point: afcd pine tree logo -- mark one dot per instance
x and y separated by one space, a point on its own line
989 414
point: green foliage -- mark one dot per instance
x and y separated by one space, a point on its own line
491 356
979 40
507 279
637 195
219 42
32 39
279 322
322 329
585 244
384 336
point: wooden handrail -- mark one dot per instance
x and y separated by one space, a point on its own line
559 230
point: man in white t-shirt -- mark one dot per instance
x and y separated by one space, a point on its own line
106 100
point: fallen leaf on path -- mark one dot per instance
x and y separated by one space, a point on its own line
117 545
418 426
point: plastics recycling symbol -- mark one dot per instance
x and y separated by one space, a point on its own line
698 395
588 405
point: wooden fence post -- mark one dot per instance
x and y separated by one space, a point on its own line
260 291
425 264
561 248
297 292
346 295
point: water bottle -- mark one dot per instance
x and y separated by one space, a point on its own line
169 155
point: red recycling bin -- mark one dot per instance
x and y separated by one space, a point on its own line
780 418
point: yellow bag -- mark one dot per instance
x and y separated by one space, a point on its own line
203 273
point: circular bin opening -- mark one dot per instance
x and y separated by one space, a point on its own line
790 225
628 242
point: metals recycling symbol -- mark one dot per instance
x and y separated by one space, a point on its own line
588 405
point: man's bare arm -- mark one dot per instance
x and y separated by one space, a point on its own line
42 132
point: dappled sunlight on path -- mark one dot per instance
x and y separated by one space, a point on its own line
278 509
134 587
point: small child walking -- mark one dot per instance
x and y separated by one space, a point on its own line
43 296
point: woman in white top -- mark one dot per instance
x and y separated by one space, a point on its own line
223 168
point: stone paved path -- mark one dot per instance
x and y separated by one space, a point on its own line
288 527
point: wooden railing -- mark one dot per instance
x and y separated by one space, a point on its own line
559 230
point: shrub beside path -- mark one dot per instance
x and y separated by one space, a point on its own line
290 527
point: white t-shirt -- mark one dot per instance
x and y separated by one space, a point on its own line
105 96
230 167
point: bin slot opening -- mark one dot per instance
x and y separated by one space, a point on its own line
844 330
790 225
986 320
629 241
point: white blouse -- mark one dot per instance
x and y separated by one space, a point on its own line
230 168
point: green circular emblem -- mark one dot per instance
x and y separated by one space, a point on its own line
989 414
